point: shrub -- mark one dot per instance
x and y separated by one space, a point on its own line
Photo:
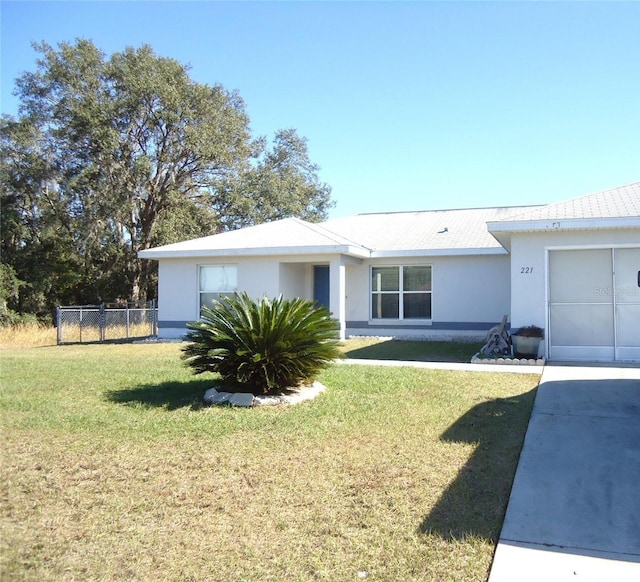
262 347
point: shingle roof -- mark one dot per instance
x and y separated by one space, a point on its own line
621 202
281 236
423 231
462 231
362 235
613 208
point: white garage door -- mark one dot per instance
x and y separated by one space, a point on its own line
594 304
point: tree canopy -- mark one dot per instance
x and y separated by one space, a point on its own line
113 155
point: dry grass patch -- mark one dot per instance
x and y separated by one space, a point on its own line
400 473
27 335
32 335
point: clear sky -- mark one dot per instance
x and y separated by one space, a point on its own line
405 105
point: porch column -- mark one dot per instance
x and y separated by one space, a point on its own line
337 292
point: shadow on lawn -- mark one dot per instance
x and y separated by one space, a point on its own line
474 504
417 351
169 395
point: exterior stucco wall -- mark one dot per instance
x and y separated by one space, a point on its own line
296 280
177 289
178 295
470 293
529 266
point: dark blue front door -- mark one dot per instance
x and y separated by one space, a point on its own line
321 284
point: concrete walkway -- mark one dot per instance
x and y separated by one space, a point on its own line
506 369
574 510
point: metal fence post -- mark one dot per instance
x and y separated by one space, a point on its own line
154 319
102 322
58 325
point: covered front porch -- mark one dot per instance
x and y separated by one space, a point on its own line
322 279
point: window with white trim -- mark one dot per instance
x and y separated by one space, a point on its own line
401 292
216 281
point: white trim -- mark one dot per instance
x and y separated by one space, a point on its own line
399 254
383 321
198 280
404 322
589 247
550 224
350 251
358 252
547 310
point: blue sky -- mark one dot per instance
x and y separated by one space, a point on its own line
405 105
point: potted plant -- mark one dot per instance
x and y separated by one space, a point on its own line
526 341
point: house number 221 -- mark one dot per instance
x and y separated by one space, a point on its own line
526 270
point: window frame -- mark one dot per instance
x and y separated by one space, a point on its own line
400 292
219 293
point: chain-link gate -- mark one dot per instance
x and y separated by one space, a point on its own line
108 321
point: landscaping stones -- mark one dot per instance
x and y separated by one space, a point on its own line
509 361
242 399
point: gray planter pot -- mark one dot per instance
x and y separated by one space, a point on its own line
526 347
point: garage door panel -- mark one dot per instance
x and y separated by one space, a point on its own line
580 276
628 325
594 304
627 287
580 325
582 353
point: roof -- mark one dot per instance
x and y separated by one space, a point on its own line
404 234
286 236
620 202
614 208
361 236
460 231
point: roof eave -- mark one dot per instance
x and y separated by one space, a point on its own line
437 252
562 224
352 251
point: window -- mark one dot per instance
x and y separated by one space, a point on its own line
402 292
217 280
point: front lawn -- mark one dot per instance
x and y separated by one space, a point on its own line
407 350
112 470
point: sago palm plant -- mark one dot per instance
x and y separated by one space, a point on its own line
262 346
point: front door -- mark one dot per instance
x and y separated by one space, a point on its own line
321 285
594 304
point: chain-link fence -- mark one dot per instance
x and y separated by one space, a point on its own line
108 321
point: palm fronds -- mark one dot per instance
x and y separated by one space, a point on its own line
262 346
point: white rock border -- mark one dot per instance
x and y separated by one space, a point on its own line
508 361
243 399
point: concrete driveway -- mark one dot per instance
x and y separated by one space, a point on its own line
574 510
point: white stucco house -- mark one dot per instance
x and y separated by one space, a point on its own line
572 268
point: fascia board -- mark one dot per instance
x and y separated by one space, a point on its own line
437 253
563 224
266 251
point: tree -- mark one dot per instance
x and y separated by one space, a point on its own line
113 155
283 183
37 232
129 134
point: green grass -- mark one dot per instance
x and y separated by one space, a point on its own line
112 469
405 350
